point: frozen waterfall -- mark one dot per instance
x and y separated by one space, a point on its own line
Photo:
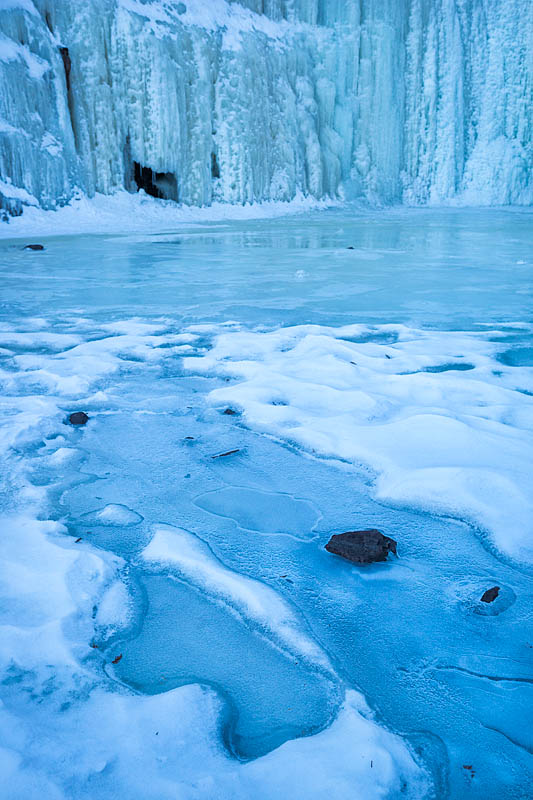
416 101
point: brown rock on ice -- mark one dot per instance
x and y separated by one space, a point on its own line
362 547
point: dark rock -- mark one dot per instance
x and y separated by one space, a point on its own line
78 418
34 247
230 412
490 595
362 547
350 248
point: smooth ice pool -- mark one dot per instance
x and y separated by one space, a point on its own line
262 511
187 637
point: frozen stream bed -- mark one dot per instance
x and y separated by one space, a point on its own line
171 623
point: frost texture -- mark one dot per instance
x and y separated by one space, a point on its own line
420 101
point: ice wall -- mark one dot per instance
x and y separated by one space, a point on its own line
420 101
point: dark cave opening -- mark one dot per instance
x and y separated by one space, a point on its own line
163 185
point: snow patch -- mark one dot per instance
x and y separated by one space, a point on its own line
138 213
115 609
450 441
164 746
113 514
17 193
12 51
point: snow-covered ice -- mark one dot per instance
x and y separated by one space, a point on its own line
114 514
180 550
434 413
389 385
265 361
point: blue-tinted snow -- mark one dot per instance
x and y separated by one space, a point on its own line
127 538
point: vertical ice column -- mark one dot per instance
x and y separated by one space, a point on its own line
469 102
421 101
37 154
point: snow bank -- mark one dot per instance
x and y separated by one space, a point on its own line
115 609
164 746
140 213
445 425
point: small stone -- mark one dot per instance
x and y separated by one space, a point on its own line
351 247
230 412
490 595
78 418
362 547
34 247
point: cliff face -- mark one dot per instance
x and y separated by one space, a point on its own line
420 101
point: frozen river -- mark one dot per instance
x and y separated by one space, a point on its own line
379 371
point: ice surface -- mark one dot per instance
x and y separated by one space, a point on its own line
250 642
268 512
436 440
192 559
110 325
241 102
